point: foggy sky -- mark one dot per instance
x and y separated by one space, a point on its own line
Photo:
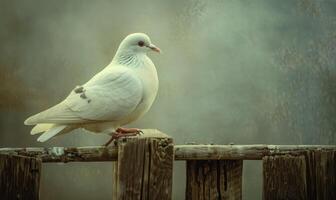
231 71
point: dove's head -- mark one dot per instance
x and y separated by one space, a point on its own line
137 43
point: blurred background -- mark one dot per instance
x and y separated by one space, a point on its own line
231 71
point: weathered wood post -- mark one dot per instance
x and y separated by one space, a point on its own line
144 167
19 177
284 177
214 179
321 174
309 176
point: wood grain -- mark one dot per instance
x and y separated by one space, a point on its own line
66 154
321 174
19 177
144 168
284 177
242 152
214 180
182 152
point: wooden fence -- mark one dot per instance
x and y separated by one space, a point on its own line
143 168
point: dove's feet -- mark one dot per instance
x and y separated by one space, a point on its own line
123 132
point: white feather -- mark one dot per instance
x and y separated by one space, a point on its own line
110 95
119 94
51 133
40 128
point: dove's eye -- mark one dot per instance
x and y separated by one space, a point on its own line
141 43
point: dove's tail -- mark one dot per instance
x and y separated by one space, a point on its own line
50 130
54 130
40 128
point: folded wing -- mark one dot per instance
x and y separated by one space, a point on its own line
109 96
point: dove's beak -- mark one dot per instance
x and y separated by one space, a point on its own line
154 48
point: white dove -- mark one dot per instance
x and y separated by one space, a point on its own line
119 94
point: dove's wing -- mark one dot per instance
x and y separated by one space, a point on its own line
111 95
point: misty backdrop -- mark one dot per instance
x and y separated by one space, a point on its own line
238 71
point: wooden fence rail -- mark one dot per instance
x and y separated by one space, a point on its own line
182 152
213 171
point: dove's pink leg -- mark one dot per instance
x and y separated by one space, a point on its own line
123 132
